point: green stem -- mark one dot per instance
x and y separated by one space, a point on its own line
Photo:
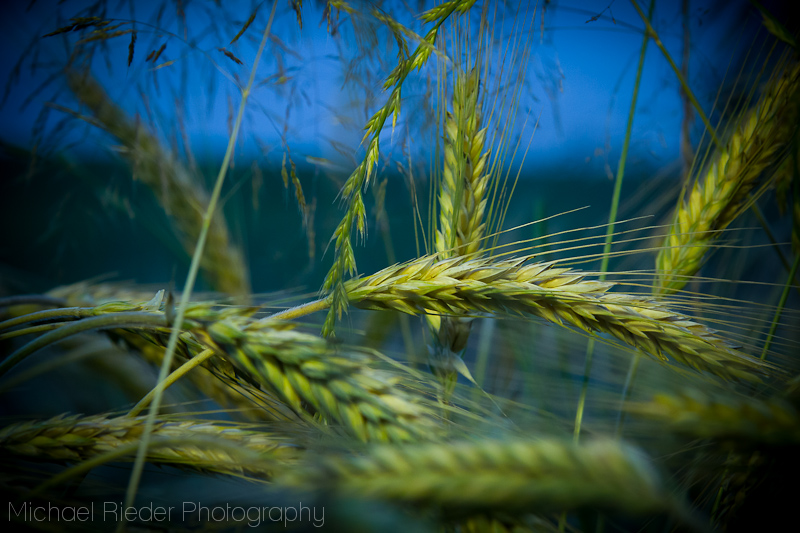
587 371
623 158
484 351
651 32
179 372
30 330
626 392
781 305
775 246
138 465
771 236
612 217
131 319
49 314
300 310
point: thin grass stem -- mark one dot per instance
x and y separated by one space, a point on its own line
612 218
138 466
131 319
781 304
300 310
651 32
30 330
177 374
49 314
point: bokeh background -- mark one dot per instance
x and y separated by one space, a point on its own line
72 212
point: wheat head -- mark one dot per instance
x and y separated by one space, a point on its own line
216 379
721 193
742 421
548 475
462 192
312 376
459 285
200 445
462 202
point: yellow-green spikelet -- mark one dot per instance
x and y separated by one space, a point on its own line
722 192
343 386
458 286
462 204
229 448
462 194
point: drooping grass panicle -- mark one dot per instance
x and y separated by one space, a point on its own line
355 216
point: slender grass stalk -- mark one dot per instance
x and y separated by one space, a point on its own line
178 373
775 244
781 304
29 331
301 310
626 392
138 466
484 351
651 32
49 314
111 320
612 219
587 374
